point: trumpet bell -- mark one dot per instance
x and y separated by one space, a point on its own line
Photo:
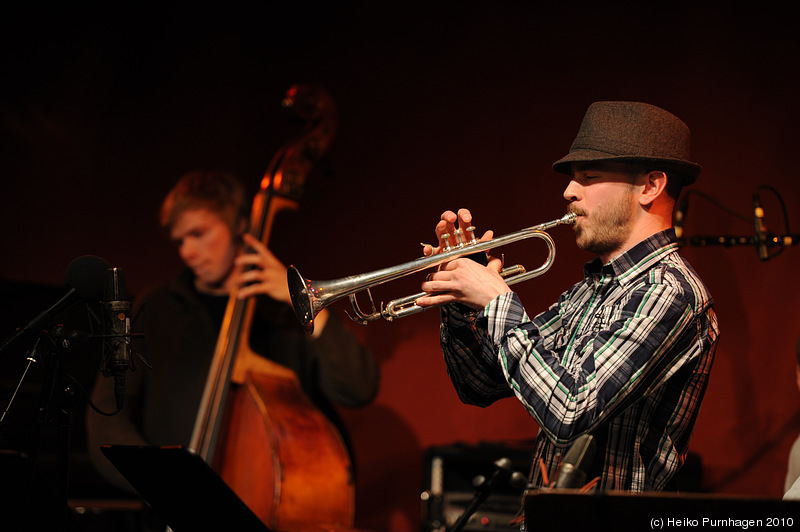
301 299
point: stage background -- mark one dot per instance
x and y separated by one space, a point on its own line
440 106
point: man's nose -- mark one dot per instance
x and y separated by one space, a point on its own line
573 191
187 251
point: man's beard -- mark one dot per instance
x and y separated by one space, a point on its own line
610 227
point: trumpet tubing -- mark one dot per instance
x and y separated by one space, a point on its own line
310 297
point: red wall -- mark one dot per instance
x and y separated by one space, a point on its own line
438 109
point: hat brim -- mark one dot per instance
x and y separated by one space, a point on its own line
687 171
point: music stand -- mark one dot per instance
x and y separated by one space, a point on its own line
182 488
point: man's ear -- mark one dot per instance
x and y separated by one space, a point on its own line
655 184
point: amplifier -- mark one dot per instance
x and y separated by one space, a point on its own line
450 474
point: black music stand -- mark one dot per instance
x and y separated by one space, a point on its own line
570 510
182 488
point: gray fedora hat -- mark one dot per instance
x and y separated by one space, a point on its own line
632 132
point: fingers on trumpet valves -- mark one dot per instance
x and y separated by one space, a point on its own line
460 237
451 240
459 241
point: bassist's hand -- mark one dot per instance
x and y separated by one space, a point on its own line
261 272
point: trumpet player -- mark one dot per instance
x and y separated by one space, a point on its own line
625 354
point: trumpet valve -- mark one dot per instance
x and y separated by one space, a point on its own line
472 239
446 242
459 234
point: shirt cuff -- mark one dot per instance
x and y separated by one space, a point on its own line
503 313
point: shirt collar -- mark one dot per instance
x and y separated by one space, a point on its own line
637 259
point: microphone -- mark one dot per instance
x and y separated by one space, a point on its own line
84 277
576 463
518 480
117 305
761 228
502 467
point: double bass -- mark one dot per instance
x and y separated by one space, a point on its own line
255 426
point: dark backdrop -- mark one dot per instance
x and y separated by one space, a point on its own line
440 106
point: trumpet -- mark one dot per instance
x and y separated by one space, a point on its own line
310 297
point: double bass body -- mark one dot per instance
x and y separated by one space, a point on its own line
283 457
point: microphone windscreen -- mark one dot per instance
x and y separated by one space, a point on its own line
86 275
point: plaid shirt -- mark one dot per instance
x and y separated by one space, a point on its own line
624 355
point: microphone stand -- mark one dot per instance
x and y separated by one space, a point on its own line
483 488
772 241
762 240
57 406
721 240
482 492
